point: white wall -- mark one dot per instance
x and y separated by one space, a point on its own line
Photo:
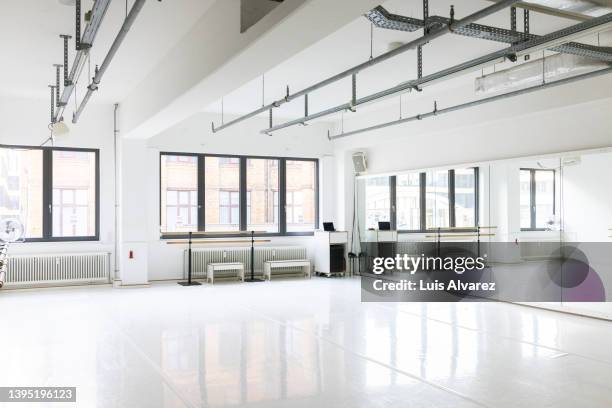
24 122
140 162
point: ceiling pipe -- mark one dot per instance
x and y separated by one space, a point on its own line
432 35
381 18
459 69
89 34
438 112
125 28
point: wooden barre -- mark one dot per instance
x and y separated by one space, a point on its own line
202 242
461 228
459 235
205 233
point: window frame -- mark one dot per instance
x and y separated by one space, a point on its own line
243 167
47 192
423 199
532 196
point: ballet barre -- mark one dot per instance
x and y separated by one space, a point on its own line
202 241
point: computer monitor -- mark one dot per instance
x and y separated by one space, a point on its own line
384 226
328 226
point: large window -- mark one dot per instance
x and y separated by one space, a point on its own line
416 202
21 188
301 201
74 193
52 191
408 193
437 202
377 201
179 193
262 200
222 193
537 199
265 195
465 197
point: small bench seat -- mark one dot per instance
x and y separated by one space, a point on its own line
224 266
303 263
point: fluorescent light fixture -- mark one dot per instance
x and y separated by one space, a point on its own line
555 67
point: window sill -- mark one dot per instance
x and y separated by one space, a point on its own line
59 239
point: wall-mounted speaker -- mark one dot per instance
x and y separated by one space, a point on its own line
359 162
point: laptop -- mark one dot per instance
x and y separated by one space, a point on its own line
384 226
328 226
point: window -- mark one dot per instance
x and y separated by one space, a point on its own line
408 194
465 197
229 207
437 201
377 201
537 198
21 188
295 207
74 194
179 193
181 210
222 194
262 200
301 203
200 192
415 202
228 161
58 204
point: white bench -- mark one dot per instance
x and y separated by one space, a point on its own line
224 266
303 263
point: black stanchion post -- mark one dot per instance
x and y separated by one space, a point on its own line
189 282
252 278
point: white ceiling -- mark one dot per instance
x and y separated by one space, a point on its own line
30 43
350 45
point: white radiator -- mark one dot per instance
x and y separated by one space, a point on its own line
201 257
57 269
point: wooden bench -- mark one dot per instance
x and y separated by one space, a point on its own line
224 266
303 263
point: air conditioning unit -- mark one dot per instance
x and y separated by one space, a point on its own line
359 162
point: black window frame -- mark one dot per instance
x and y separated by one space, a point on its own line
422 203
532 196
47 192
243 160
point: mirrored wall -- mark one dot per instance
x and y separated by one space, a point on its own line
534 209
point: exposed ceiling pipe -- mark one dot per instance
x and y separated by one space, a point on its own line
125 28
381 18
89 34
433 34
573 9
438 112
458 69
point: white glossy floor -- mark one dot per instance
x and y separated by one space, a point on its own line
297 343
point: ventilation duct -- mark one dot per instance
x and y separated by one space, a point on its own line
553 68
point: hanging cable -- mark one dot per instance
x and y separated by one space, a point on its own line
371 40
543 67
